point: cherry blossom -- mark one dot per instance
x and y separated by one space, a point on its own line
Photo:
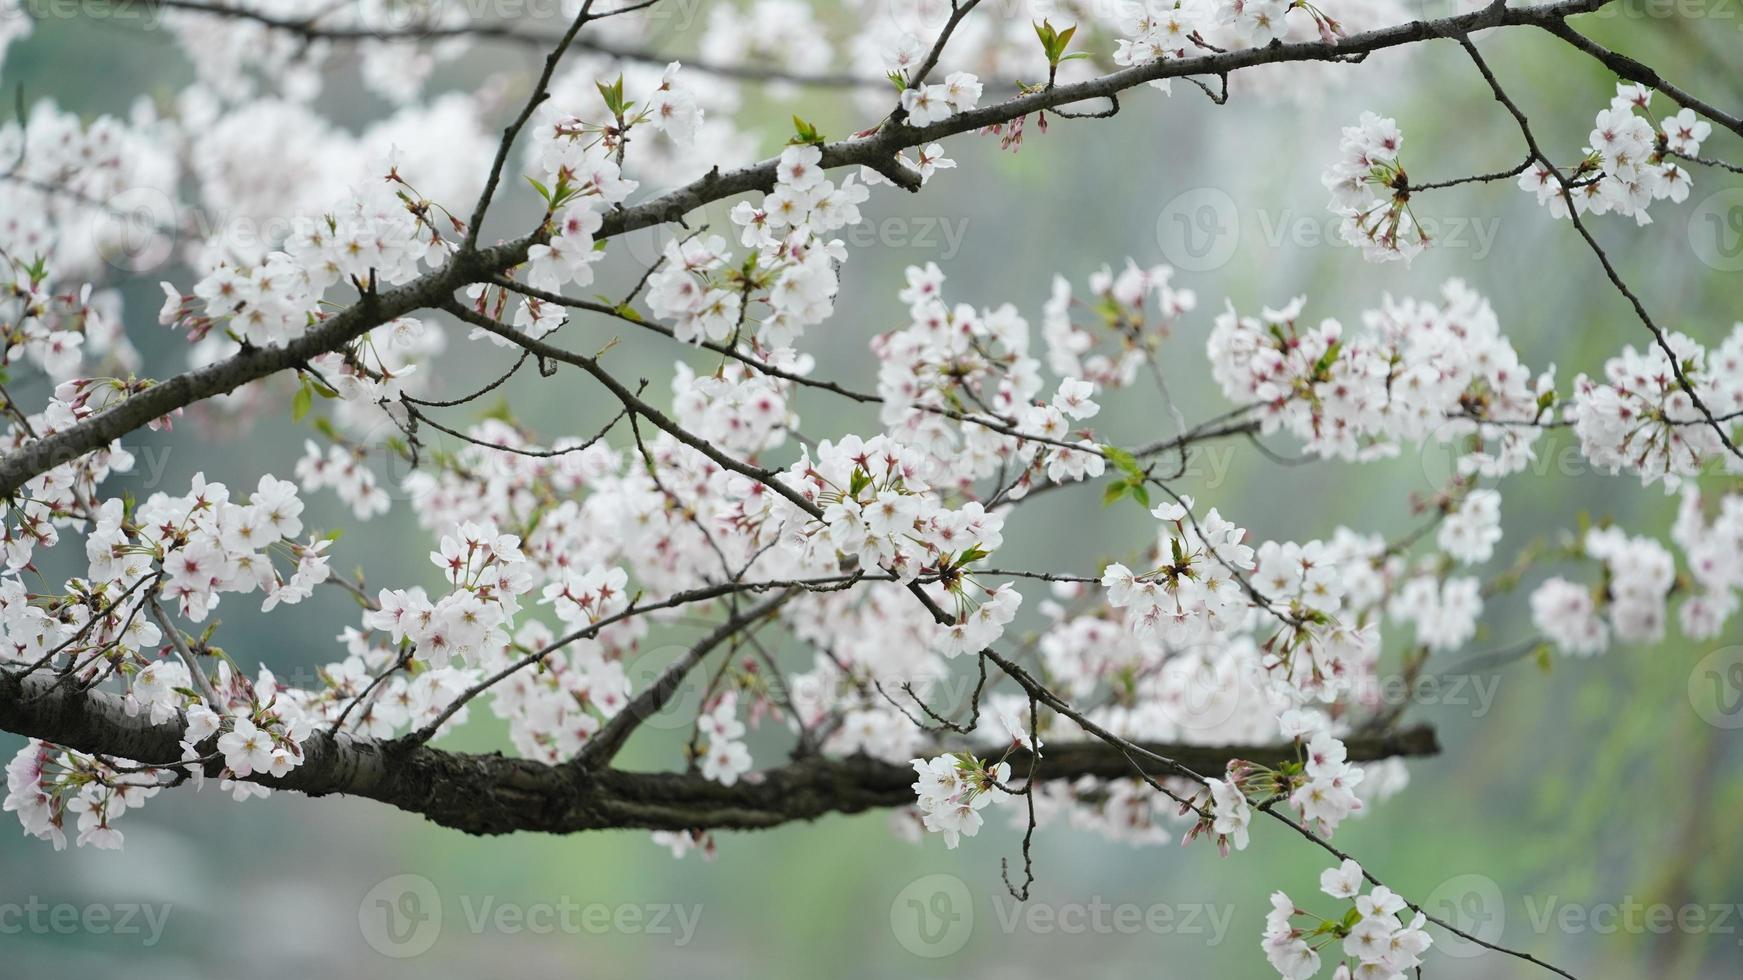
838 581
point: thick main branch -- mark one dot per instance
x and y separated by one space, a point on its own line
496 794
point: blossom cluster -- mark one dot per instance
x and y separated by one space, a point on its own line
60 236
370 693
876 508
580 172
1372 938
1471 530
724 757
206 545
1714 550
45 783
371 241
1639 577
1322 786
876 511
1627 165
346 471
952 358
1421 372
1371 192
1129 313
1444 611
928 104
488 574
1640 572
952 790
1640 419
1193 594
704 294
1156 31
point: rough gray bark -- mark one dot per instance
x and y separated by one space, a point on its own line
496 794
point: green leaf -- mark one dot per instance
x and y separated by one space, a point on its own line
859 481
613 96
805 133
1327 359
1053 41
1114 491
1124 461
302 402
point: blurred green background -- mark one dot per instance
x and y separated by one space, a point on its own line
1590 785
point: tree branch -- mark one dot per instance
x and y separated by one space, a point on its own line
494 794
309 30
251 364
877 150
